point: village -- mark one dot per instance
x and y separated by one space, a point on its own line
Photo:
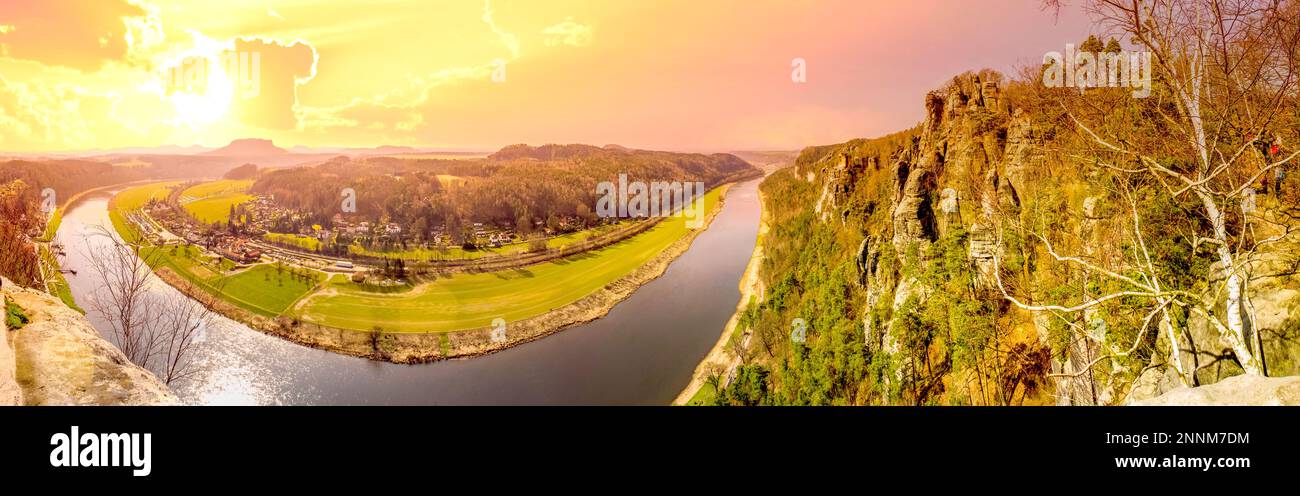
259 230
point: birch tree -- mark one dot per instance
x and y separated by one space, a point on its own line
1225 82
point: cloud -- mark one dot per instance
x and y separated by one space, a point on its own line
279 70
399 110
568 32
41 115
80 34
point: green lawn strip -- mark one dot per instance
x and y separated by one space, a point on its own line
56 282
703 396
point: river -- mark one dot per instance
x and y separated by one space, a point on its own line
642 353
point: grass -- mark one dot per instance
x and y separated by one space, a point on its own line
467 301
57 283
266 289
210 202
703 396
52 226
133 198
15 318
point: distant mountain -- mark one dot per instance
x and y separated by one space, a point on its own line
248 147
376 150
393 149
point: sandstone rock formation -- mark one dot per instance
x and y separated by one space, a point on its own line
985 170
1242 390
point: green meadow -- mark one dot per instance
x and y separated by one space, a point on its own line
210 202
456 302
456 252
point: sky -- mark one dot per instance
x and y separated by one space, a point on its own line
697 75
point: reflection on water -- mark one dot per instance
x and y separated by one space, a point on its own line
643 352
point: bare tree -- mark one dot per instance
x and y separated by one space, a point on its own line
1226 78
180 325
153 330
122 297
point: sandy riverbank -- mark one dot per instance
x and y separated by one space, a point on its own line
427 347
722 358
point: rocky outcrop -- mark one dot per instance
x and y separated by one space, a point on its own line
60 359
1242 390
985 174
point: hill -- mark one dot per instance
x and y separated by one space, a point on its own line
248 147
513 186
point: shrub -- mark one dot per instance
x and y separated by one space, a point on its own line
14 316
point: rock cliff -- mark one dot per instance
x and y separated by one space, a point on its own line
980 173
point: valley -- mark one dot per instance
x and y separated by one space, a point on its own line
386 290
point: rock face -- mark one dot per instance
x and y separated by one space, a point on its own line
971 188
60 359
1242 390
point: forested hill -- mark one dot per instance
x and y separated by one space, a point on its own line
517 182
989 256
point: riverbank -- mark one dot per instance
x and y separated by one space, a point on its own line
419 347
51 271
723 357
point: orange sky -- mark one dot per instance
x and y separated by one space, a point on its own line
664 74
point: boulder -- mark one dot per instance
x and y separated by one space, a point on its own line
1241 390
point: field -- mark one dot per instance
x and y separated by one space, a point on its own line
136 197
210 202
473 300
457 302
302 242
266 289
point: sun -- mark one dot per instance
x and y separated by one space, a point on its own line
206 104
198 84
